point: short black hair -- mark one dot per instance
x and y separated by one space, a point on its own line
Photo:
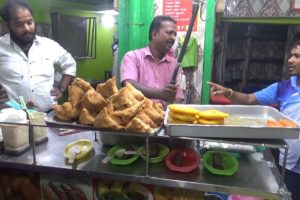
156 23
12 4
295 44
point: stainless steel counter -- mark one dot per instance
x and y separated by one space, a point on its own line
255 177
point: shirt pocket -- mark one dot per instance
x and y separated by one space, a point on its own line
43 67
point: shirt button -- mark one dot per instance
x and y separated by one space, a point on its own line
31 90
30 76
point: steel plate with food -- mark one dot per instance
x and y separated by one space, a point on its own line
107 108
230 121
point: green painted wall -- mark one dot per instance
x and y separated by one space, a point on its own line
135 17
208 51
89 68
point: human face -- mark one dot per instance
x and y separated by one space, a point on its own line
165 37
294 61
21 26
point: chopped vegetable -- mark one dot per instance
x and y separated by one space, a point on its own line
281 123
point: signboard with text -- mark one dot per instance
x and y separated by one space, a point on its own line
181 11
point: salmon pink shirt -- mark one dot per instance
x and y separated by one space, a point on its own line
139 65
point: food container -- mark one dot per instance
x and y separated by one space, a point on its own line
118 161
15 137
84 145
251 124
163 151
229 162
189 160
40 133
137 192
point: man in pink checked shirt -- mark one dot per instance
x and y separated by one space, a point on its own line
150 69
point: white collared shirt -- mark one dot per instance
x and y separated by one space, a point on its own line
33 77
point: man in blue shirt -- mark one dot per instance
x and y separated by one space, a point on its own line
287 95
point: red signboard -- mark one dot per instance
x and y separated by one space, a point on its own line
181 11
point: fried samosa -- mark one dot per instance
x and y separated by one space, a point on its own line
158 107
108 88
138 95
93 101
75 94
86 117
123 99
137 125
151 112
146 119
84 85
127 114
67 111
103 120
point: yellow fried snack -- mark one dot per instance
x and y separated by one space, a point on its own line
207 114
171 120
212 114
183 109
186 118
211 122
108 88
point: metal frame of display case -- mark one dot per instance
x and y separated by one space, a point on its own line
254 177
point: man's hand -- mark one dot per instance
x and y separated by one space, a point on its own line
169 93
57 93
217 89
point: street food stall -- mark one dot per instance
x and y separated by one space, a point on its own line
177 152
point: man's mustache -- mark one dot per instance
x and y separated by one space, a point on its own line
28 34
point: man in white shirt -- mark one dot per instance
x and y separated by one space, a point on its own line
27 60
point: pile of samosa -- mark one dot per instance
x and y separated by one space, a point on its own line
110 108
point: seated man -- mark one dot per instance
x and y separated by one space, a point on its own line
150 69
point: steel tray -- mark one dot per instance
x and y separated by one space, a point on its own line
235 131
52 121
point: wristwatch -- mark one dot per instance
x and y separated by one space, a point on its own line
62 90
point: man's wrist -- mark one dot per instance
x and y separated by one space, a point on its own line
61 89
229 93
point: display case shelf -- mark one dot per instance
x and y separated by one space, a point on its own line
255 176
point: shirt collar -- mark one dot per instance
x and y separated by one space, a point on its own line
294 81
148 53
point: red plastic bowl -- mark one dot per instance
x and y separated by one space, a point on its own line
190 160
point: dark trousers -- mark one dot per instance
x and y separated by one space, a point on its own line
291 179
292 182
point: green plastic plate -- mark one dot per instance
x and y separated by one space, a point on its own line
230 163
116 161
163 152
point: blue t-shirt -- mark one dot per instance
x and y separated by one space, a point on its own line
289 104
